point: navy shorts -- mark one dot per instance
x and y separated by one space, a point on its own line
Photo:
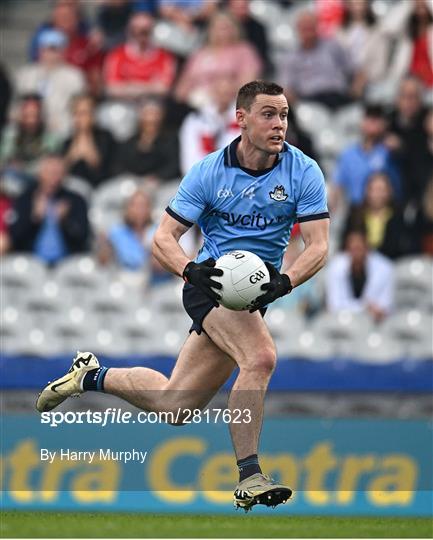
198 305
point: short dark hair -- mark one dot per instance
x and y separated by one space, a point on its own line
30 96
249 91
374 110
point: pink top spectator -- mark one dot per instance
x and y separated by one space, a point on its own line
224 56
236 62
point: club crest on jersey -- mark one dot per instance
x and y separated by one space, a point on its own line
278 194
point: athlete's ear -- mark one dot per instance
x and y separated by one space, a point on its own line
240 118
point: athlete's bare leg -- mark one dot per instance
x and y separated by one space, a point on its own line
202 368
245 338
200 371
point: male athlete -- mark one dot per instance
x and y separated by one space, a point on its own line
246 196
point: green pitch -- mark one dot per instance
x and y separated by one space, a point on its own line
110 525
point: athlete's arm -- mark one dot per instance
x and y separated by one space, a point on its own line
315 234
165 245
166 248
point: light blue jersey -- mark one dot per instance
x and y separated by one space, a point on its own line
252 210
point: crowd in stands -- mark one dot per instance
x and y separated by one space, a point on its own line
346 54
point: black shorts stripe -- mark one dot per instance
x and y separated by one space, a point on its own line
313 217
182 220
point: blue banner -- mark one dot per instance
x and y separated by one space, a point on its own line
291 374
368 467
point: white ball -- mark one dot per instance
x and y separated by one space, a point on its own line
243 275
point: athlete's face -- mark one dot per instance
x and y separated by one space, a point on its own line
265 124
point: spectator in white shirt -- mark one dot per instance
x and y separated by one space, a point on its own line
360 280
212 127
53 79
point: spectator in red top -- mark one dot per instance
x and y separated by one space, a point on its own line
420 30
5 209
409 29
138 68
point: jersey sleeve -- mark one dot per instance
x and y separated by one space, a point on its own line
312 200
189 202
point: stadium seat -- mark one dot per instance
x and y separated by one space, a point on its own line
313 118
167 297
81 274
268 13
284 323
43 308
23 270
408 328
75 329
37 339
80 186
172 37
382 92
119 118
108 342
21 274
376 348
109 201
111 305
342 329
348 121
422 349
414 283
380 7
163 196
143 331
14 325
307 344
330 143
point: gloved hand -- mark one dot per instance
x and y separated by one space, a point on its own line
279 285
199 274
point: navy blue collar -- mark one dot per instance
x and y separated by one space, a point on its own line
231 158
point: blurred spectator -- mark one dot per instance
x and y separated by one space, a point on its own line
361 38
89 150
137 68
54 80
225 55
63 10
424 219
112 19
152 151
410 24
210 128
407 139
424 212
252 29
330 14
5 97
359 279
129 244
83 49
48 219
187 13
360 160
382 220
26 138
320 69
5 211
297 137
132 239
